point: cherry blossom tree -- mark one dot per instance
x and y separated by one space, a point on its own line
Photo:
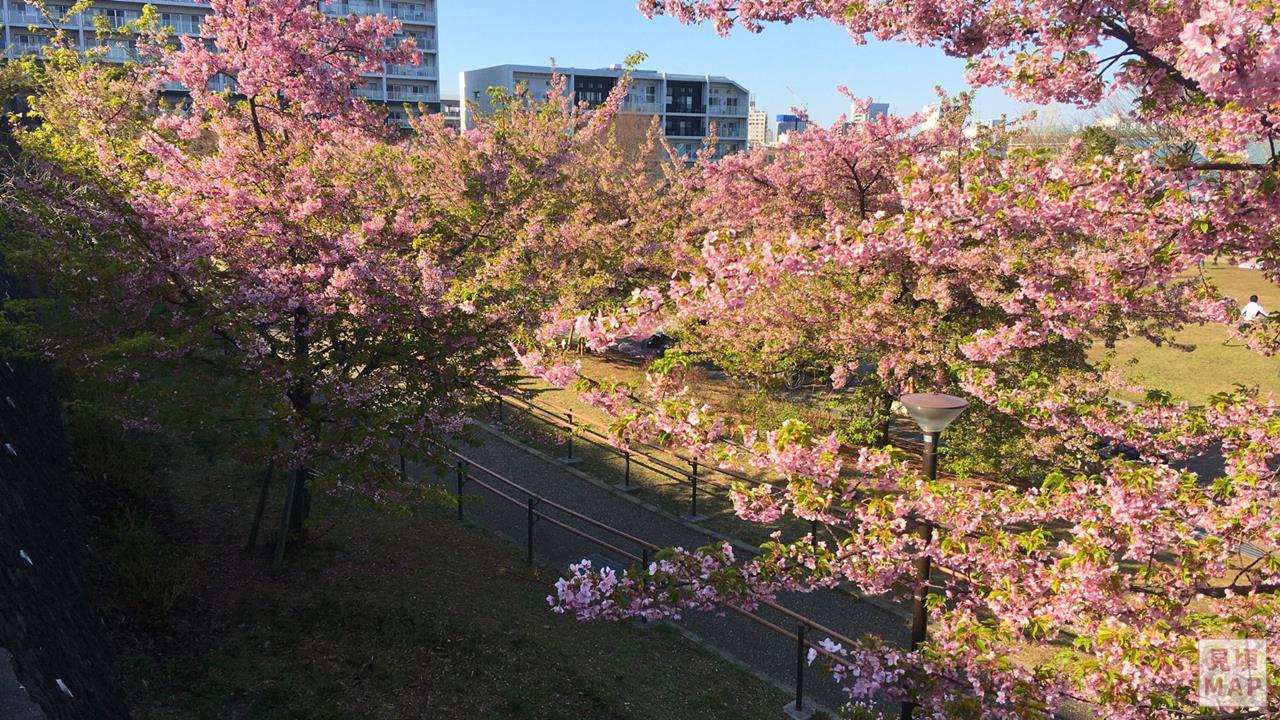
956 266
342 284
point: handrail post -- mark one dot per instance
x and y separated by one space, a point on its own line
626 485
800 652
813 536
569 459
693 496
693 515
499 398
462 478
797 709
529 503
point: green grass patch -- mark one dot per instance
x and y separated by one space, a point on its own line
389 615
1210 366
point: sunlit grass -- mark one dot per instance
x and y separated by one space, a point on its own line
1210 367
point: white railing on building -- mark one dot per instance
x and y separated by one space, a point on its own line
29 16
349 8
116 53
185 27
116 18
641 107
423 17
730 110
423 71
19 49
409 96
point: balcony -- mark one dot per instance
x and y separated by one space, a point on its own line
686 108
19 49
684 132
115 18
29 16
184 27
648 108
118 54
728 110
419 71
342 9
410 96
220 83
419 17
731 133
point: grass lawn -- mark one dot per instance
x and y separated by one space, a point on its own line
1211 367
386 616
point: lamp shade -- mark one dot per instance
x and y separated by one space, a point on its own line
933 412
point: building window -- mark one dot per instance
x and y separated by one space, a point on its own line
685 127
592 90
684 97
114 16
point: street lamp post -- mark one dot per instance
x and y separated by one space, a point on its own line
933 412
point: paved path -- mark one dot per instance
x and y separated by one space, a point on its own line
760 649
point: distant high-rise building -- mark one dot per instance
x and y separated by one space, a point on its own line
789 125
872 111
757 127
686 105
26 30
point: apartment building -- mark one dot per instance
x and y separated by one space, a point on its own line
687 106
26 30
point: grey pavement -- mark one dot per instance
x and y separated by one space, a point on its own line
15 703
762 650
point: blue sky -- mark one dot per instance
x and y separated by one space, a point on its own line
785 66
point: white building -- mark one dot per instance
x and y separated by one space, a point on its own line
758 130
686 105
395 85
451 107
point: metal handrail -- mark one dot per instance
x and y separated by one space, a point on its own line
803 620
562 414
547 501
534 500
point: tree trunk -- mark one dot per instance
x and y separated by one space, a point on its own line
262 506
887 399
299 505
285 515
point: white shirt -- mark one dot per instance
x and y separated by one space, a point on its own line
1253 310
